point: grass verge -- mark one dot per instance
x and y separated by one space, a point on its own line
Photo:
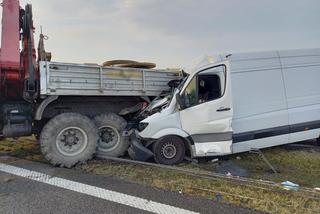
25 148
254 195
300 166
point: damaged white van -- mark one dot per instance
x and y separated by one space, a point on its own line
236 104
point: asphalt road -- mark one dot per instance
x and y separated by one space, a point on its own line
26 194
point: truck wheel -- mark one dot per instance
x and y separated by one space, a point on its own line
169 150
111 142
68 139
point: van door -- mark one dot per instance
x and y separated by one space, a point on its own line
207 111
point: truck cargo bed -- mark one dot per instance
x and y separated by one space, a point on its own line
93 80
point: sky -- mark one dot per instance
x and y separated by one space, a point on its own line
172 33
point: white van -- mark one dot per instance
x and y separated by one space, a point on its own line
242 102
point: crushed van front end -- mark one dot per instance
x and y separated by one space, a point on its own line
138 150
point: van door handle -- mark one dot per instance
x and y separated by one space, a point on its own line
223 109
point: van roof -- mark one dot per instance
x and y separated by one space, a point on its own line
272 54
240 62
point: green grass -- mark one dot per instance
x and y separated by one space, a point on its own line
25 148
256 196
299 165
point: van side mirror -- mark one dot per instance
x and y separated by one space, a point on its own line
180 101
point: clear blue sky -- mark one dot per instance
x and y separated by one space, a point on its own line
173 32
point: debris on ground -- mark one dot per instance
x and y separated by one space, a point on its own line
264 158
214 160
230 168
229 174
288 185
219 197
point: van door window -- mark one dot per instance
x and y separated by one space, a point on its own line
206 86
190 94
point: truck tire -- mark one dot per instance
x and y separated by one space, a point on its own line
68 139
111 142
169 150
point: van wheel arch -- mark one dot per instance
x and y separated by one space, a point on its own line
187 142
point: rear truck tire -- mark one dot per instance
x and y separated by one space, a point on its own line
111 142
68 139
169 150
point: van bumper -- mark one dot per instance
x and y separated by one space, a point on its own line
137 151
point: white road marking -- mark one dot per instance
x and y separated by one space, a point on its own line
101 193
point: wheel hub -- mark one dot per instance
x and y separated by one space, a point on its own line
169 151
109 137
71 141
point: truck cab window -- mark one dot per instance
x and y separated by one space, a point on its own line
206 86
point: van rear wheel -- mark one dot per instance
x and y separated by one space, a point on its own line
169 150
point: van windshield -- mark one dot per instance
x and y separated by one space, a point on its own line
179 87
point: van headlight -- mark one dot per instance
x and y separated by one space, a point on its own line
142 126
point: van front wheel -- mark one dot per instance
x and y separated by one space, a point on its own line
169 150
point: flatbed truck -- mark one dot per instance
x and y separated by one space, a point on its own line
76 111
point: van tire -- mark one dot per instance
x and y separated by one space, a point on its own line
68 139
169 150
111 142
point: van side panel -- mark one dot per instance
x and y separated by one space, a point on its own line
260 109
259 100
276 98
301 71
